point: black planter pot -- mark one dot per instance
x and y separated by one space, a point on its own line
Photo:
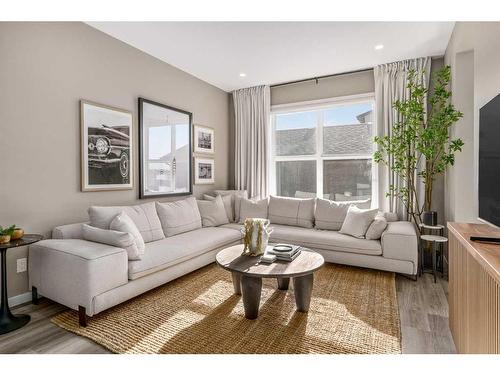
430 217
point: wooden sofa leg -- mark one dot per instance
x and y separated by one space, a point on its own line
82 316
34 295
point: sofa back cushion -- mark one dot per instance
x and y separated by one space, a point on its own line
357 221
115 238
252 209
330 215
179 216
292 211
213 212
143 215
227 200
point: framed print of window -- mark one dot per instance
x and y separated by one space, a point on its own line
204 170
106 147
204 139
165 150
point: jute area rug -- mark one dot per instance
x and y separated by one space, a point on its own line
352 310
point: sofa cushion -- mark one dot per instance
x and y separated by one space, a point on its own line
110 237
357 221
330 215
227 200
236 196
212 212
324 240
143 215
377 227
252 209
176 249
123 223
292 211
179 216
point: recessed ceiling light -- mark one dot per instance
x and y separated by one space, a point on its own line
243 75
379 46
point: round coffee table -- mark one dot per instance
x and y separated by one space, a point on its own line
247 273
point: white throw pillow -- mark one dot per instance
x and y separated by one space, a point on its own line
236 196
212 212
123 223
143 215
330 215
113 238
227 200
179 216
377 227
357 221
292 211
252 209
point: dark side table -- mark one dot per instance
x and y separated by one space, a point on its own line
8 321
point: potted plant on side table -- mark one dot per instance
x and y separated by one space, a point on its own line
6 233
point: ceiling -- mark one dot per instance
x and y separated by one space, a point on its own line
276 52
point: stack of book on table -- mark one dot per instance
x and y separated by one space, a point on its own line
284 252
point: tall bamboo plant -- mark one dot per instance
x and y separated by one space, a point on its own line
420 147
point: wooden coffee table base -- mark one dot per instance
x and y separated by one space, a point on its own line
251 288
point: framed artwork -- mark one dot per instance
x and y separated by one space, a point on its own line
204 170
204 139
106 147
165 152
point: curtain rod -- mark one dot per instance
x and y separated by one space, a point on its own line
320 77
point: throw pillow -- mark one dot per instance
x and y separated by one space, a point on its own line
252 209
179 216
143 215
113 238
123 223
227 200
235 200
292 211
377 227
212 212
357 221
330 215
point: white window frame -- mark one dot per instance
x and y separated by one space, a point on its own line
319 157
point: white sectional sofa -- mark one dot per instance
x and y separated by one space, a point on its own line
92 277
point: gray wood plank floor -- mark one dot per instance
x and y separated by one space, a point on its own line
423 308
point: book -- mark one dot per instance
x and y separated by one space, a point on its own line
288 258
286 254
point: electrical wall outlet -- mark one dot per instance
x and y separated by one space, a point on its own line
22 265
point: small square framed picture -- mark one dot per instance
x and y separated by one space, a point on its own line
204 170
204 139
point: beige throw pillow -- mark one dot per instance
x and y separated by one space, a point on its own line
113 238
227 200
292 211
212 212
330 215
357 221
377 227
123 223
252 209
179 216
236 196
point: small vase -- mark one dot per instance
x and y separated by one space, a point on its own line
4 239
430 218
18 233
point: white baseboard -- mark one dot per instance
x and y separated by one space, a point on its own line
19 299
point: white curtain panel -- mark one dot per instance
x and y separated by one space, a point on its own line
390 85
252 108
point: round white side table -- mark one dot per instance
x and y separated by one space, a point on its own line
435 242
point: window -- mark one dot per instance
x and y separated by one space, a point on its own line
323 150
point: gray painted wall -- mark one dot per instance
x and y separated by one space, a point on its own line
45 69
473 50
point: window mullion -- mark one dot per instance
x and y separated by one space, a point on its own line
319 152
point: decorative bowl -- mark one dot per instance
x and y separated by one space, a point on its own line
18 233
4 239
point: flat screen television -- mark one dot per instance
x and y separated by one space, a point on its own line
489 162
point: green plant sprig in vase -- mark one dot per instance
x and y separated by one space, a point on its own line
6 233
